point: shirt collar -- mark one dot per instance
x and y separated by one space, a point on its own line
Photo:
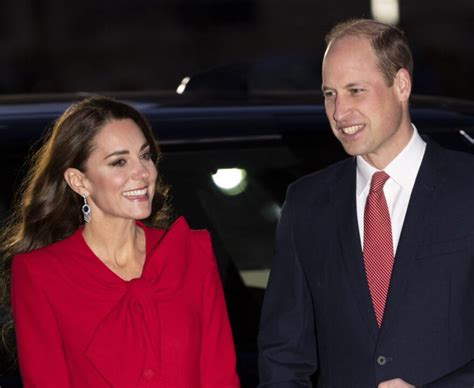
403 169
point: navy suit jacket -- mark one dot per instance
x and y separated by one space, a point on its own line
317 315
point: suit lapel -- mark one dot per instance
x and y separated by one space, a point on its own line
419 208
344 200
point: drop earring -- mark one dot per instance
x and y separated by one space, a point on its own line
86 210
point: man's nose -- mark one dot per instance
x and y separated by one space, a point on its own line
342 108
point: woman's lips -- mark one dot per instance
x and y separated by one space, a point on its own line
137 194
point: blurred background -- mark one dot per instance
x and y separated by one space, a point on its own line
56 46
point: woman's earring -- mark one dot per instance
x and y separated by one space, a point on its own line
86 210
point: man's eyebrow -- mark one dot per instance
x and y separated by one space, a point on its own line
126 152
352 84
347 86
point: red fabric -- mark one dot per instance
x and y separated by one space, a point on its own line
79 325
378 244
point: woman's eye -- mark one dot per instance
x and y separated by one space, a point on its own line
146 155
118 163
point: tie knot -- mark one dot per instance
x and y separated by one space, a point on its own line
378 180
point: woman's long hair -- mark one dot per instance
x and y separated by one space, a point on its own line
46 210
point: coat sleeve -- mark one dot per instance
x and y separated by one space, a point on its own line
39 345
287 340
461 377
217 347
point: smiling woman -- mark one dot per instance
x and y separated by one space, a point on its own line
117 184
97 294
120 175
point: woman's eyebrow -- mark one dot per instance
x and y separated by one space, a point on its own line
126 152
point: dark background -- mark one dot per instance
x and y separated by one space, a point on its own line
52 46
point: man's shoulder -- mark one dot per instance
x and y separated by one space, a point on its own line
459 174
322 180
454 163
460 158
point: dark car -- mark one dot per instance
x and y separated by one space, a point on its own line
229 162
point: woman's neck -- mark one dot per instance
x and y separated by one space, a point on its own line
120 245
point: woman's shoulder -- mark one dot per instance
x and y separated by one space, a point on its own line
49 252
198 237
179 234
201 245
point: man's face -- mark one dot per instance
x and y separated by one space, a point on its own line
368 117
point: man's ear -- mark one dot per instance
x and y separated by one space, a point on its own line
76 181
402 83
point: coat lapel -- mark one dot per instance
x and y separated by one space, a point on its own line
344 195
418 212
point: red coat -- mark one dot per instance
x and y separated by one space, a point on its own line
80 325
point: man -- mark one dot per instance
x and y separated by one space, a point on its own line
372 282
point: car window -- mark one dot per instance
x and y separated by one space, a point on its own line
237 192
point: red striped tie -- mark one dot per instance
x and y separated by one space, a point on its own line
378 244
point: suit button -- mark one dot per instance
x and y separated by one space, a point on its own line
148 374
381 360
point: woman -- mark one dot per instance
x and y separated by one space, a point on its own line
98 298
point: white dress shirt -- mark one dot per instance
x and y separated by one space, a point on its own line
402 171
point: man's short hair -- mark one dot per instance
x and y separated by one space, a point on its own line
388 42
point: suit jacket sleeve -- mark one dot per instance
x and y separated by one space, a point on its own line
217 349
39 343
462 377
287 340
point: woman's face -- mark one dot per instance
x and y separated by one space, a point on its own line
120 175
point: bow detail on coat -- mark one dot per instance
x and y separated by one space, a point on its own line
131 330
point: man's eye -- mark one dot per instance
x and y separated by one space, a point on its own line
329 94
356 91
118 163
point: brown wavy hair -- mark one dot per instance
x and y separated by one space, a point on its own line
46 209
